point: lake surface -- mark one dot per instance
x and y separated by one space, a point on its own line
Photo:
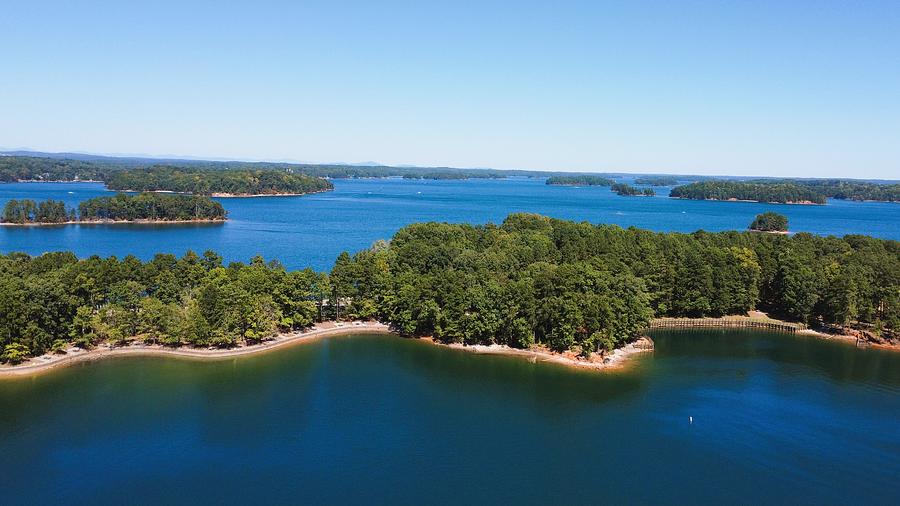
777 418
312 230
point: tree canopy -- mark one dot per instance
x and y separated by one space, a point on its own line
580 180
627 190
208 182
120 207
530 280
152 207
782 193
770 222
657 180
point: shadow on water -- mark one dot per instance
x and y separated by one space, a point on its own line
839 361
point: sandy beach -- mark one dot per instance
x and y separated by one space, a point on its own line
613 360
111 222
49 361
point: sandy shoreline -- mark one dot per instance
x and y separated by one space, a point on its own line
616 359
48 362
795 203
225 195
111 222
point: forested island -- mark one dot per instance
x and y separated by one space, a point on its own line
530 281
144 207
630 191
769 222
580 180
843 189
657 180
780 193
216 182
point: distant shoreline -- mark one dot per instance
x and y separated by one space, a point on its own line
113 222
796 203
48 361
616 359
225 195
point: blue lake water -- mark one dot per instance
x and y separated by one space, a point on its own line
312 230
377 419
777 419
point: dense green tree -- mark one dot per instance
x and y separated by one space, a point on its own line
770 222
787 192
532 280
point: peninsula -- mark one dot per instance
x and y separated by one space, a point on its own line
531 283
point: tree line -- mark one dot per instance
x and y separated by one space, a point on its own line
769 222
208 182
629 191
782 193
580 180
530 280
28 211
26 168
97 168
843 189
657 180
120 207
151 207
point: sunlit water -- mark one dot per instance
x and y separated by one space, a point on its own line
379 419
312 230
776 418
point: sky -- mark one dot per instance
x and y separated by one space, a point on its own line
769 88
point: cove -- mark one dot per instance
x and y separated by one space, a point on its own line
379 419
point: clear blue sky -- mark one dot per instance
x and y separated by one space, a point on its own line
730 87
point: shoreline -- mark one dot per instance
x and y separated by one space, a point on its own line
112 222
224 195
797 203
614 360
49 361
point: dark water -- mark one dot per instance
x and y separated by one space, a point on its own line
378 419
312 230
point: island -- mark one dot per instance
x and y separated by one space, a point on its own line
580 180
770 222
657 180
843 189
577 290
780 193
217 183
120 208
630 191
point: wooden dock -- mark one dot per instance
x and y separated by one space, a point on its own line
726 322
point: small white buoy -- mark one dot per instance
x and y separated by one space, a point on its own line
691 420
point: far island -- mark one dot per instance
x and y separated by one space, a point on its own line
776 193
657 180
580 180
120 208
217 183
627 190
770 222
